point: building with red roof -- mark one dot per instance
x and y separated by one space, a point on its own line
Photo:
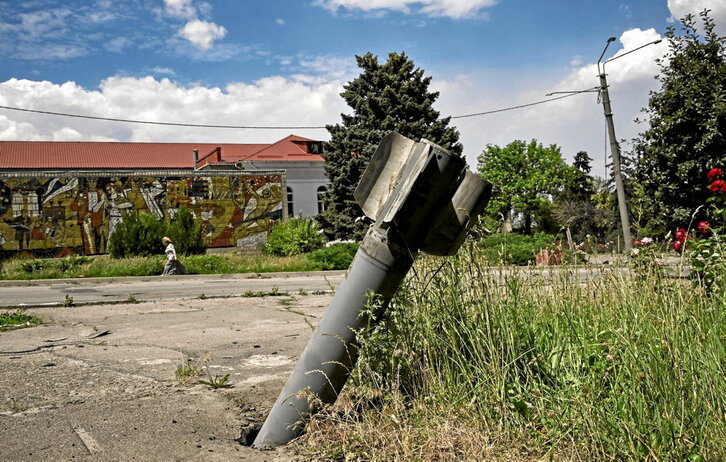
64 198
299 157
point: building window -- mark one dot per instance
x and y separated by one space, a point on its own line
322 191
290 206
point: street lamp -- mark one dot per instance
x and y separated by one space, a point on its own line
614 145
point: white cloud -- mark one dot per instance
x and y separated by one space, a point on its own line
202 34
117 44
576 61
575 123
198 32
163 70
680 8
625 11
67 134
280 21
180 8
49 51
311 97
99 17
272 101
44 24
457 9
327 66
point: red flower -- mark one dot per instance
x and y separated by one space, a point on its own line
713 173
704 227
678 246
718 185
681 234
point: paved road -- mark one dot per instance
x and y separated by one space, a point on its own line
99 382
106 290
53 292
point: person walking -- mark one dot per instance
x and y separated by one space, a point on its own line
172 265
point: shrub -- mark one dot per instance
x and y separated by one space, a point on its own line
138 235
337 256
705 244
514 249
186 233
294 236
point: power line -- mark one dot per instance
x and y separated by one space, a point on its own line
521 105
260 127
149 122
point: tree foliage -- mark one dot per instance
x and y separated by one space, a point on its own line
687 134
186 233
579 186
392 96
575 206
139 234
525 176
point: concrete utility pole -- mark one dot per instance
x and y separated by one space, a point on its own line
615 152
422 198
614 145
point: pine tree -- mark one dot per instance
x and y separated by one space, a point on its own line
387 97
579 186
687 134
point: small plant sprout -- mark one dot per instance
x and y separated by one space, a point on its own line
218 381
68 301
187 371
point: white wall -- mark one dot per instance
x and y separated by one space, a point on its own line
304 178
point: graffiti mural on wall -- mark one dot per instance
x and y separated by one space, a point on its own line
56 216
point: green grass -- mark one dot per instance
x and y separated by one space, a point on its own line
17 319
104 266
216 381
469 367
187 371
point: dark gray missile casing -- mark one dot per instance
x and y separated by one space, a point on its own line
422 197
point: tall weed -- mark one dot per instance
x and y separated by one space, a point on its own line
615 367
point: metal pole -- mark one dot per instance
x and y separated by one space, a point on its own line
615 153
379 267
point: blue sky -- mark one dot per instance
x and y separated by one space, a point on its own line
277 62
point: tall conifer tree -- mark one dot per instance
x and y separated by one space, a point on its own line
387 97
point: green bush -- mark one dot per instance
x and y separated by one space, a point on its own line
294 236
337 256
138 235
186 233
514 249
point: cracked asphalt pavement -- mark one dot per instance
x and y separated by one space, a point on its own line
98 382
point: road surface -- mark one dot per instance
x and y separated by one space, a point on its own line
56 292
